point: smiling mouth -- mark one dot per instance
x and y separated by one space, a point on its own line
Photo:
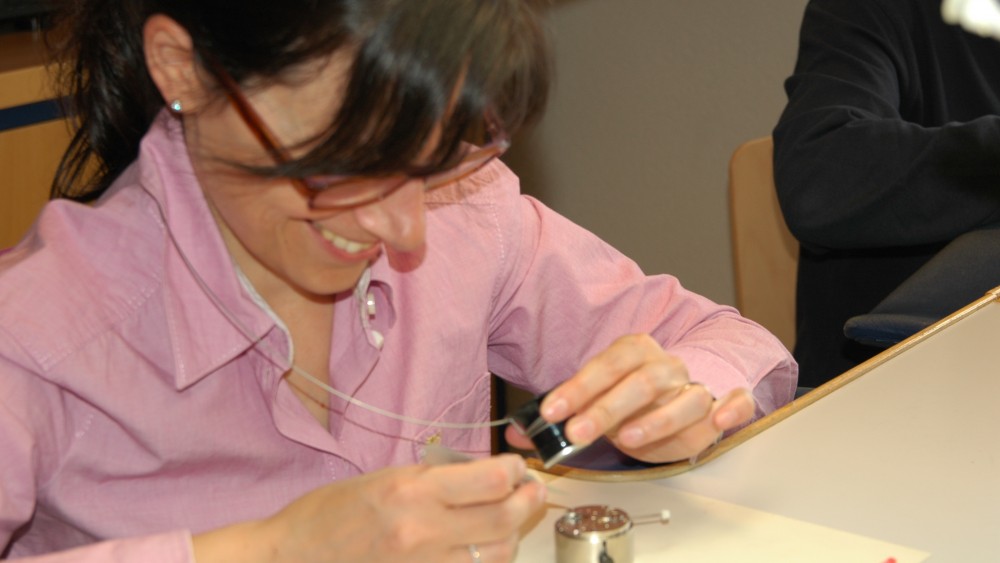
342 243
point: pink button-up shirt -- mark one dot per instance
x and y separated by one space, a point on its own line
141 390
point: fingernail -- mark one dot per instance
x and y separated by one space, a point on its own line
555 410
541 493
580 431
725 419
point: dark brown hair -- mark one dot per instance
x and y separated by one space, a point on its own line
413 56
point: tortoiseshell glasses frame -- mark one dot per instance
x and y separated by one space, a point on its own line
351 191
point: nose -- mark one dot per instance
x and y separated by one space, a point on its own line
398 220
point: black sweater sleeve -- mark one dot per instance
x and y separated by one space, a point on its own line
891 135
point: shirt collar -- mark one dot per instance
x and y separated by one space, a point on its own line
210 316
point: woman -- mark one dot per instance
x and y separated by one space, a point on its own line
303 275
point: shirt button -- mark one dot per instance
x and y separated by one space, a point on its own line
370 302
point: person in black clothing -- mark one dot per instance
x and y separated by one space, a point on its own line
888 149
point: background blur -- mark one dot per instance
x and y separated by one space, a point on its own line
651 98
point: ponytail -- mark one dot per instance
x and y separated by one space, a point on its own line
107 93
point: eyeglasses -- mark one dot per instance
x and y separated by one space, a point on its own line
351 191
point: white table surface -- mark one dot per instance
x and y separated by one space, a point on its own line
907 452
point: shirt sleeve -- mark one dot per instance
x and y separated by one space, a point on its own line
567 295
868 152
174 547
30 439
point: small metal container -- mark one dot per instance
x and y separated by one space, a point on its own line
594 534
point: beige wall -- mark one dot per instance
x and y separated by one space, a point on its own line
651 98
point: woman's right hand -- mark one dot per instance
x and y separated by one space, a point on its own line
415 513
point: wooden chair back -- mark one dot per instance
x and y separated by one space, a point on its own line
765 254
29 154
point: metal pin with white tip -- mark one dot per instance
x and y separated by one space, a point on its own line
663 517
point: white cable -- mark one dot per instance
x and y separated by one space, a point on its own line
314 380
390 414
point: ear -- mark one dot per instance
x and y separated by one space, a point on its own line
172 63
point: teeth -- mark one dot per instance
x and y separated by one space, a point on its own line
343 243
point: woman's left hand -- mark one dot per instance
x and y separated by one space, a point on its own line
641 398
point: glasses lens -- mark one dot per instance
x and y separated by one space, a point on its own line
335 192
338 191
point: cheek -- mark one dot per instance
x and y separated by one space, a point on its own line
254 216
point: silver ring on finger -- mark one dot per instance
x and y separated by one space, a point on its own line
691 384
474 552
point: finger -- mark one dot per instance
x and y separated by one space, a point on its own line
695 438
494 522
688 442
733 410
691 405
478 481
638 392
516 439
599 374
